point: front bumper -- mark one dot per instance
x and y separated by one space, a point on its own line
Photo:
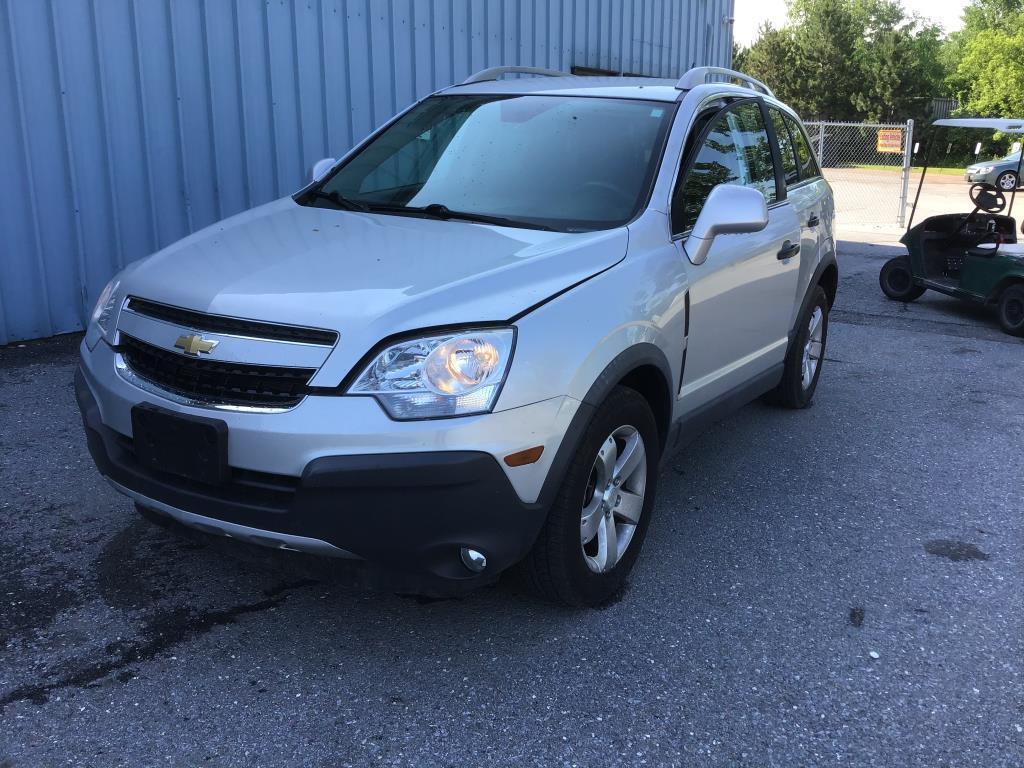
285 443
408 511
980 178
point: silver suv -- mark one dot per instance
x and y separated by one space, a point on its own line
466 345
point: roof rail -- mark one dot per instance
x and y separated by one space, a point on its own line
494 73
699 76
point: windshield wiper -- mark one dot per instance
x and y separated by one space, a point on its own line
440 211
343 203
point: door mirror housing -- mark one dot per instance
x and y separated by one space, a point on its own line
729 210
320 168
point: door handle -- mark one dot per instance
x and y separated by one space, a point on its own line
789 250
813 221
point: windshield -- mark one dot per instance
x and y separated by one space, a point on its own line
565 163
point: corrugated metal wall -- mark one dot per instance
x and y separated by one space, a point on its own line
127 124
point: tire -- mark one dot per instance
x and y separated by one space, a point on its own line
897 280
1006 181
802 367
566 564
1011 310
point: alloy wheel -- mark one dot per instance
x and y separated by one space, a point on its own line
1008 182
813 348
614 499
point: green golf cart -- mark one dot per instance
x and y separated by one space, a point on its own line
973 256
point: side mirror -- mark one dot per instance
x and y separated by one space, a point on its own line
320 168
729 210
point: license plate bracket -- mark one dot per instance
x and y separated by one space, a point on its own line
194 447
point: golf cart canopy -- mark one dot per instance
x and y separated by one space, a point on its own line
991 123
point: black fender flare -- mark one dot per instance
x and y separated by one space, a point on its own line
814 282
636 356
1002 285
622 364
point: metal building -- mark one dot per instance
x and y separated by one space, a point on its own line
127 124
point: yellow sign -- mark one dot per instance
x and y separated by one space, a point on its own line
890 140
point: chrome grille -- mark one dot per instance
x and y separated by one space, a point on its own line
257 329
213 381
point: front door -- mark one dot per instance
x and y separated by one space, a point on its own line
741 298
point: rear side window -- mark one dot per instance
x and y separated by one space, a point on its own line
790 169
808 165
735 151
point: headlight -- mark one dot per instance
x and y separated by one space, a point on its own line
986 169
103 314
105 306
453 374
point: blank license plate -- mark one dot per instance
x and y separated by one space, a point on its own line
190 446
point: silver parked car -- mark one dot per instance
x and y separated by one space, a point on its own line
1001 173
467 345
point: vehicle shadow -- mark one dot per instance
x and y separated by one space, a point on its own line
859 265
869 250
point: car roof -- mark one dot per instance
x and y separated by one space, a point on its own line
648 88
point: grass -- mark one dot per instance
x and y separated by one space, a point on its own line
913 169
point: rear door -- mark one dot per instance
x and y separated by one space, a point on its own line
741 298
806 190
798 169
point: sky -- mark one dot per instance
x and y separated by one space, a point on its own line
751 13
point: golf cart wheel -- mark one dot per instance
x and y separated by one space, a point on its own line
597 522
1007 181
897 281
1011 310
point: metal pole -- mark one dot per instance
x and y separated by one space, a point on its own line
821 144
908 150
927 157
1013 194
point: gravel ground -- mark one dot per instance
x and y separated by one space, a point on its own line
838 586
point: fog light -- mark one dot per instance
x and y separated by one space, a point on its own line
473 559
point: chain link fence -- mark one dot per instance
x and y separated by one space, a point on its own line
868 166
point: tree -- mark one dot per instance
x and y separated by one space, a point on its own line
992 67
986 59
773 60
850 60
900 73
988 14
825 36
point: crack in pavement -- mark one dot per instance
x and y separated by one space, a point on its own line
164 630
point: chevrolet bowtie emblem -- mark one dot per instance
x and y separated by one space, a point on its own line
194 344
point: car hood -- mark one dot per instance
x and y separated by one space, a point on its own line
1002 162
367 276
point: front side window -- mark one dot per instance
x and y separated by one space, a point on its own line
808 165
566 163
735 151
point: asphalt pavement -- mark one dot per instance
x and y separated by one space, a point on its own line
838 586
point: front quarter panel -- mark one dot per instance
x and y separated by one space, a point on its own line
563 346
